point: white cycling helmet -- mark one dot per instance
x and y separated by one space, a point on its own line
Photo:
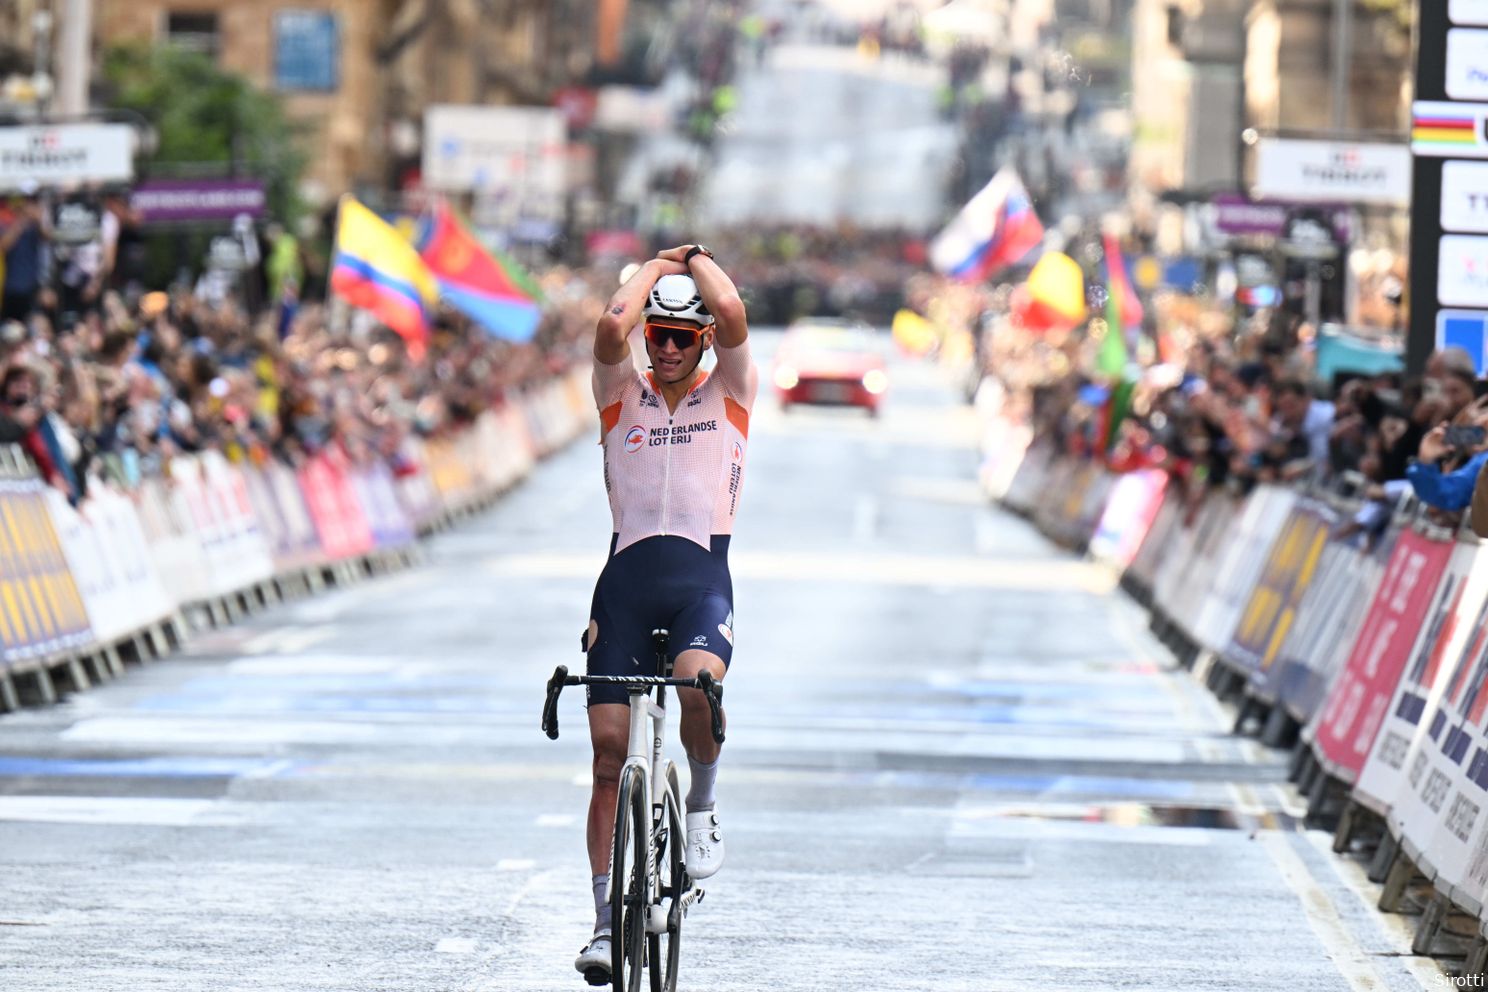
677 296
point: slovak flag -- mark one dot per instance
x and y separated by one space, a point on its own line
997 228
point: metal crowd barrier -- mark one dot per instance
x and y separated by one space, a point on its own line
1368 660
124 576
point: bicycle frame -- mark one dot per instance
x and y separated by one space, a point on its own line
645 760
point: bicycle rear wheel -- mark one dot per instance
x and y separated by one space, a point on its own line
628 884
665 949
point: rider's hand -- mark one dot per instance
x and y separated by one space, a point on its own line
674 254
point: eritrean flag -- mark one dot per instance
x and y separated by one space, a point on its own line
489 290
376 269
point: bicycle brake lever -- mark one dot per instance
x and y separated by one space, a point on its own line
713 692
550 707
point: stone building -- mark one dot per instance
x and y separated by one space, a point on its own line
358 74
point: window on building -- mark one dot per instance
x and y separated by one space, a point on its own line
307 50
194 31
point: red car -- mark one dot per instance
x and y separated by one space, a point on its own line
830 362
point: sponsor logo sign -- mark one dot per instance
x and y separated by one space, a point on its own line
1332 171
635 439
510 151
1467 64
1464 205
1468 12
65 154
1462 271
180 201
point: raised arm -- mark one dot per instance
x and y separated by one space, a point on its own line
624 310
719 294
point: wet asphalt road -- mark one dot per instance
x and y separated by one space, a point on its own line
955 762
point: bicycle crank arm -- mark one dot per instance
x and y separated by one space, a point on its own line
691 896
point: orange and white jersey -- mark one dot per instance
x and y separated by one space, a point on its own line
675 473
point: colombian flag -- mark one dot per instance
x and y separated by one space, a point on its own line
375 268
494 294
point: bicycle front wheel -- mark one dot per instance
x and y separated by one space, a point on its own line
665 948
628 884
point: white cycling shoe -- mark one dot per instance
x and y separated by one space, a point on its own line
593 961
704 844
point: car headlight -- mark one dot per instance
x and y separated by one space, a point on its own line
875 381
786 377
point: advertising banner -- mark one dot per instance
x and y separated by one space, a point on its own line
1383 776
1129 512
339 520
57 155
1330 617
519 152
179 558
1256 520
1355 706
1333 171
1439 791
178 201
1314 523
41 611
1271 608
110 562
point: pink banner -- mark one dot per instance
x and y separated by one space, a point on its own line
1356 705
339 519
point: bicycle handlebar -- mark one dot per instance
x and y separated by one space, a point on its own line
712 691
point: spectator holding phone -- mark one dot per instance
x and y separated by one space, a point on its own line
1451 489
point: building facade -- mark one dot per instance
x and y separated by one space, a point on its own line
357 75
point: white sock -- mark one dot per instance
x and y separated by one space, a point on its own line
700 791
601 904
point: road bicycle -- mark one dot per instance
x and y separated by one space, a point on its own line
650 891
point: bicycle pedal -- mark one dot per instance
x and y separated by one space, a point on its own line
596 976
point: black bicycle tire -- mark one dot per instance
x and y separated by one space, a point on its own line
663 964
627 915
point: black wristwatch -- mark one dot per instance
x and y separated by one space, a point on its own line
696 250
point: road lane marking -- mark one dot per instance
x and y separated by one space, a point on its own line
554 820
114 810
1398 927
515 864
1351 960
455 945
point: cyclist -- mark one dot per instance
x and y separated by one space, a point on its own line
674 442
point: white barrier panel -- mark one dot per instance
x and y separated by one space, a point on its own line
1004 445
1397 745
1186 572
180 561
1256 521
1157 545
1028 482
1437 793
215 498
110 561
416 491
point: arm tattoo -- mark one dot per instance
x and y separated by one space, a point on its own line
617 309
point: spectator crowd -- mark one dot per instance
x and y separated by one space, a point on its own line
101 380
1220 403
